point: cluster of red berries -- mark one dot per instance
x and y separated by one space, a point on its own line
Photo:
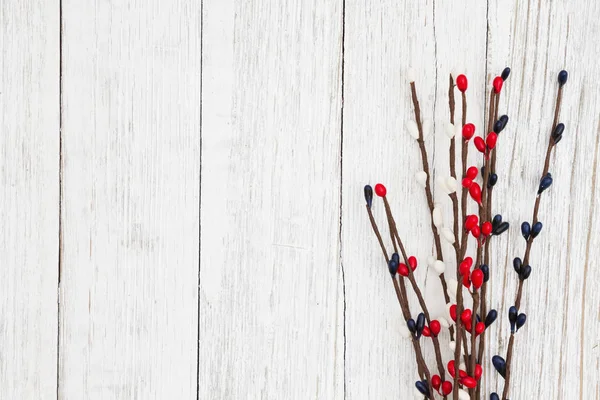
465 379
465 318
476 278
474 188
445 388
433 329
403 268
485 146
481 233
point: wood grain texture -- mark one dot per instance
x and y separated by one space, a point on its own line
29 203
214 242
271 282
131 153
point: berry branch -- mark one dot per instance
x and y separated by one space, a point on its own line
421 142
530 232
471 276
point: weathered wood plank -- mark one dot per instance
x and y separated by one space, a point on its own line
29 180
271 283
131 153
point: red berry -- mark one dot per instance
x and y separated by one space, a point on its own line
380 190
498 84
436 382
479 328
491 139
426 331
468 382
469 260
453 312
412 261
435 327
462 374
477 278
475 232
446 388
466 183
472 172
470 222
479 144
468 131
403 269
466 316
462 83
468 326
486 228
464 268
451 368
478 369
466 281
475 192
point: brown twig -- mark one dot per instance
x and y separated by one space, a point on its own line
460 332
463 202
483 216
393 228
413 282
486 258
403 301
471 368
436 343
404 306
377 234
536 208
428 192
453 197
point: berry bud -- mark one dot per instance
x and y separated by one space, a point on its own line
369 195
380 190
562 77
462 83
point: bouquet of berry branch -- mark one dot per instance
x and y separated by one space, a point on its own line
460 376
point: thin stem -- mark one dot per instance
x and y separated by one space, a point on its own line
463 201
402 300
473 353
511 344
536 208
483 313
436 344
404 306
391 223
490 169
378 234
453 197
428 192
451 103
486 161
394 229
425 162
459 294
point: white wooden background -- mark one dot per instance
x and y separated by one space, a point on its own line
182 211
